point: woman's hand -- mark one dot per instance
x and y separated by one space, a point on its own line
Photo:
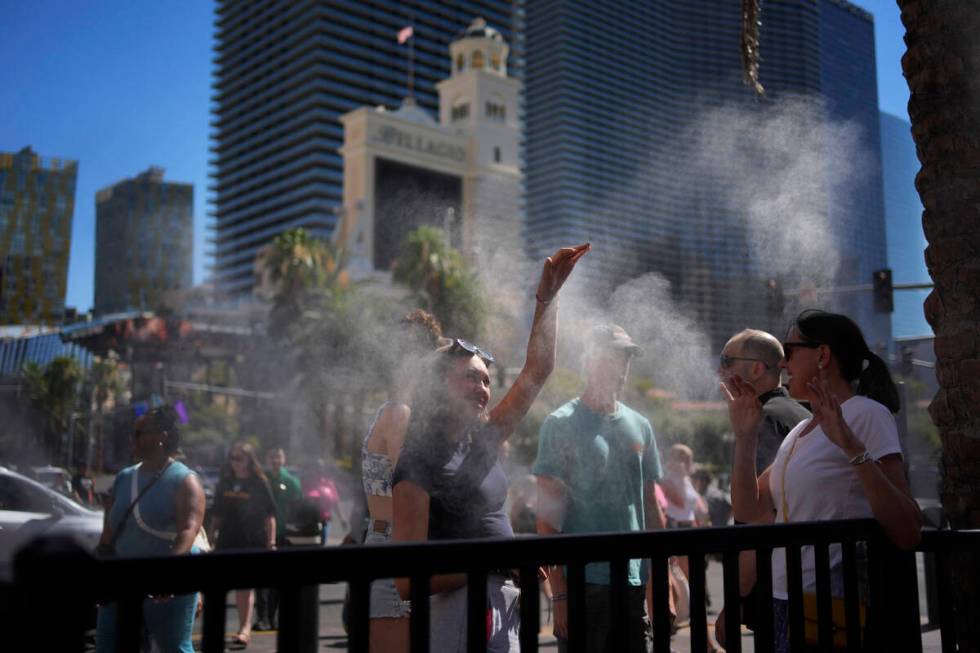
557 267
744 407
827 414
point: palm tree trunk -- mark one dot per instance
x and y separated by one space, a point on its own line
942 66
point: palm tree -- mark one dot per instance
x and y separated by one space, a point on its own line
54 390
942 67
441 282
294 270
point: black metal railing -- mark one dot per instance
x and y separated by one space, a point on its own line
56 584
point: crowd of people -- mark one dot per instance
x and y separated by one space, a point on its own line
824 446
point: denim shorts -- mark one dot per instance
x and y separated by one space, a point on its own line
447 618
385 601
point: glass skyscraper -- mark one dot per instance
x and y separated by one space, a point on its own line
37 202
903 215
641 137
144 242
284 73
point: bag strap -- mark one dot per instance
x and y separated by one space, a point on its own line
122 524
163 535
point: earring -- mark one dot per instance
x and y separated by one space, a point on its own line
159 444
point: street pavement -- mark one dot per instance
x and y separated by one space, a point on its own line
332 636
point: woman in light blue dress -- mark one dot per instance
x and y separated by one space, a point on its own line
165 521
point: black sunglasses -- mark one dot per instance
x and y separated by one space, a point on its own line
460 347
728 361
788 347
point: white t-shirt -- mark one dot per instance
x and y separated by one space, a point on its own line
681 484
822 484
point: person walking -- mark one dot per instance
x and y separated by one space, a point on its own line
155 507
597 467
287 493
244 517
756 357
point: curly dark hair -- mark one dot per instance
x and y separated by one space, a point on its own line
165 420
422 328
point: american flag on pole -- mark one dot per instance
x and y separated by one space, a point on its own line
405 33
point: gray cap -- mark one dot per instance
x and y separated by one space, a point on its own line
612 336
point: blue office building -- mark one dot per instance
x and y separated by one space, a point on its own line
614 95
284 73
903 216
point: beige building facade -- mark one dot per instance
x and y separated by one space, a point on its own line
403 169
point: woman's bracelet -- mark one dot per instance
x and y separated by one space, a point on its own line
861 458
560 596
542 301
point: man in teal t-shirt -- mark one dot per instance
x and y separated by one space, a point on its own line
287 493
597 465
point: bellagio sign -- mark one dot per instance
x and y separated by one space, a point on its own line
388 135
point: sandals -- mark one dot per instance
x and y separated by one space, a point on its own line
239 642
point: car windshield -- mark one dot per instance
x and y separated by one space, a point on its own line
22 494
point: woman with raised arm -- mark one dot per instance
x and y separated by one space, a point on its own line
844 462
449 483
419 333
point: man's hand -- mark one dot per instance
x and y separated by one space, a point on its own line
744 408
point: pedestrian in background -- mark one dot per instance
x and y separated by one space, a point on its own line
155 507
244 517
287 494
83 487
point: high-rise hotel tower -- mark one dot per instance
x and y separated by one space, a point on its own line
37 201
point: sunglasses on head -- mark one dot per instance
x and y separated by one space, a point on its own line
728 361
461 347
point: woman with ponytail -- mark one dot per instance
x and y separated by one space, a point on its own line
845 462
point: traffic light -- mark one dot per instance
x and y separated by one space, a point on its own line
882 282
775 299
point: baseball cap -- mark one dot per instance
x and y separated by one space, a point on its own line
612 336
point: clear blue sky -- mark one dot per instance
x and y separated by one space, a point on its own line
121 85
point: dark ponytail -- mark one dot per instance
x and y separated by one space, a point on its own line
857 362
875 382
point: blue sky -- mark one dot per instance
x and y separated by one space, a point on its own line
121 85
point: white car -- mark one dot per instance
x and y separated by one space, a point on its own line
29 510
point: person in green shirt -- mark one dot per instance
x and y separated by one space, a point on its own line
287 493
596 470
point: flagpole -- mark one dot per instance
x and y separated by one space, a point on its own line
411 66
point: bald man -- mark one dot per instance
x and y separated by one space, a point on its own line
755 356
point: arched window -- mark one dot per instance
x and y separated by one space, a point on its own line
495 60
477 60
460 62
460 109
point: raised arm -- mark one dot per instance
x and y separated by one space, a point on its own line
542 344
884 483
